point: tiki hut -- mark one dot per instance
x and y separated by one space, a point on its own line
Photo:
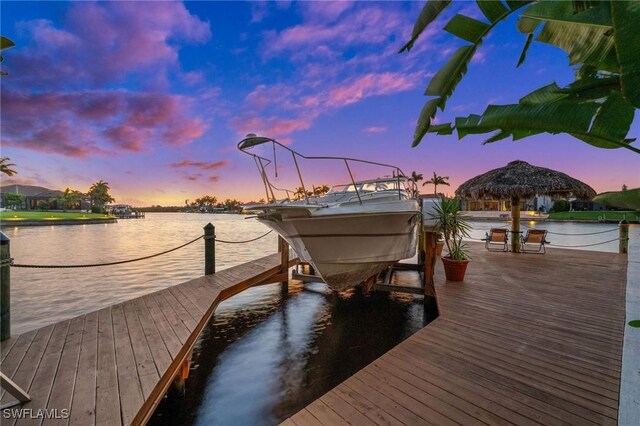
519 180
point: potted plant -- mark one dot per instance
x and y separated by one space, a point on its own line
450 222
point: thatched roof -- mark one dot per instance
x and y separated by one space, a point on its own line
521 179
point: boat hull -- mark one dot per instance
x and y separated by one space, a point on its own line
348 246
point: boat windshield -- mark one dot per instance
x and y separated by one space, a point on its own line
389 185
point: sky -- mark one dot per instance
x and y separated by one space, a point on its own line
153 97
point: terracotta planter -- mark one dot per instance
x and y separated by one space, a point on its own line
454 269
439 247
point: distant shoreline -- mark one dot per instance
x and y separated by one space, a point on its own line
14 223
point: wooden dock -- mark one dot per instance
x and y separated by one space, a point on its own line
526 339
112 367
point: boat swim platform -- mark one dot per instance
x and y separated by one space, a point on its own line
113 366
526 339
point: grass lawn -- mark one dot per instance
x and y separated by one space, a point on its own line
594 215
10 215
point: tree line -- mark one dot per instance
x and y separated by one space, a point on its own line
98 195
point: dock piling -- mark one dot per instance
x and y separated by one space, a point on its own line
429 238
283 248
5 287
623 243
209 249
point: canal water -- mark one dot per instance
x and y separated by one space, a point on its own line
265 354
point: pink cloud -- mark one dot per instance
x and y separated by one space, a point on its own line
85 123
366 25
203 165
369 85
105 42
327 11
271 126
375 129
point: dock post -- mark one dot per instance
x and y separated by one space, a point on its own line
429 247
209 249
623 244
283 248
5 287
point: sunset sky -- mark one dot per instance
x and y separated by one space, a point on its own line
153 97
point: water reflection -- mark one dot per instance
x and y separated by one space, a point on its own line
260 362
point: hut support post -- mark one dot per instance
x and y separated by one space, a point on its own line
623 243
515 224
5 290
209 249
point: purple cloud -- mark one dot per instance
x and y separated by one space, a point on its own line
105 42
203 165
85 123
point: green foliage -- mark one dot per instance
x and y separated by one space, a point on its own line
6 167
437 180
596 215
43 205
561 206
449 221
601 39
635 323
5 43
625 199
100 195
13 200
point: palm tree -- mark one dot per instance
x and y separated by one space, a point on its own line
415 178
300 193
319 191
99 193
437 180
5 166
69 197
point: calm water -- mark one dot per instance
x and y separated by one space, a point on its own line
556 228
43 296
262 360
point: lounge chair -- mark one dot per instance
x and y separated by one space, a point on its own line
497 240
533 241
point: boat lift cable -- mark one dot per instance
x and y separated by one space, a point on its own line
119 262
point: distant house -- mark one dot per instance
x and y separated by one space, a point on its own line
35 194
537 203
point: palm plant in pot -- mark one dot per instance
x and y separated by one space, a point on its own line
450 222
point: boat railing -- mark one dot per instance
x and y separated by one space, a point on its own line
262 163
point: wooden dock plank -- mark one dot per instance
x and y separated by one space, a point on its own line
111 367
513 345
21 369
145 365
65 375
129 387
40 387
108 404
83 403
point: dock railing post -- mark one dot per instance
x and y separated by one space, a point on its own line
5 287
623 243
209 249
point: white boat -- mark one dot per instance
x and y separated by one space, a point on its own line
350 234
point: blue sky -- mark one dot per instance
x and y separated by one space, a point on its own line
153 96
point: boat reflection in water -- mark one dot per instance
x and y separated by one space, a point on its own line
267 354
350 234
